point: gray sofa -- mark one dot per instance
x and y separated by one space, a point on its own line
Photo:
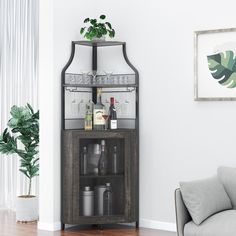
220 223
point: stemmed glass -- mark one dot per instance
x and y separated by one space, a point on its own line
108 76
106 117
85 77
72 79
94 75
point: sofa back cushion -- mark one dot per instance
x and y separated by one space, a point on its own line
227 176
204 198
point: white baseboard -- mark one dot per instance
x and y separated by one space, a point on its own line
55 226
153 224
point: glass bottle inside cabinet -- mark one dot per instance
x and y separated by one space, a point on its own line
103 162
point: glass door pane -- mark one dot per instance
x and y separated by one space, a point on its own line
101 191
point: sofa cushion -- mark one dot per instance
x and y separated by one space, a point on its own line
227 176
220 224
204 198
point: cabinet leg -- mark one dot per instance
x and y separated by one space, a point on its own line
62 226
98 226
137 224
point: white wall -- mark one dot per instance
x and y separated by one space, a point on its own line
180 139
49 103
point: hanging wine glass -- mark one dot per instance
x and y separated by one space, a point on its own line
72 79
108 77
94 75
85 77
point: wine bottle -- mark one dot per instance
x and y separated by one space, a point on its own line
112 114
114 169
88 119
84 162
103 163
98 112
107 200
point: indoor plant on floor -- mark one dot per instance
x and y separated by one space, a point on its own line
23 140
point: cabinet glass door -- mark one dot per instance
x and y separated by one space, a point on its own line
101 174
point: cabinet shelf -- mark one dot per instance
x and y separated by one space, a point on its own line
99 44
101 85
100 80
96 134
101 176
102 131
75 88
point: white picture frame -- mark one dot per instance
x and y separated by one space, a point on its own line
211 82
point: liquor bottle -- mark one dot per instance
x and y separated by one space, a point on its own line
88 119
103 163
98 112
114 167
84 162
112 114
107 200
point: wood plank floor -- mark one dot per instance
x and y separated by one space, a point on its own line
8 227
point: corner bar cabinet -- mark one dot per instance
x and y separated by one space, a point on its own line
77 88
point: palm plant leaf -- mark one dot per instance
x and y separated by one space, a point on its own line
223 68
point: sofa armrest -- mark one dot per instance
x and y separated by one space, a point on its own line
182 214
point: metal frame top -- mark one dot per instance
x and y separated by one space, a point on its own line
99 43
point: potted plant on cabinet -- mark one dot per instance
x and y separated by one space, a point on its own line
97 29
23 140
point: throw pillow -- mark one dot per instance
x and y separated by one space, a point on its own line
227 176
204 198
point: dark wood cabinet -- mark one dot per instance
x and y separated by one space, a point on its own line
125 183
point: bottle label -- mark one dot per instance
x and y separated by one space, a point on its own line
98 117
113 124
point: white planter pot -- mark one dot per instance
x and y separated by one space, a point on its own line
102 39
27 208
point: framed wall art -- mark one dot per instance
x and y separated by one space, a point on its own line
215 65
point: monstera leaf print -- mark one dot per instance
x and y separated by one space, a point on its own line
223 68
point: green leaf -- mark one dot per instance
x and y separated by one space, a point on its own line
86 20
102 17
111 33
31 109
82 30
87 36
90 28
36 115
93 32
16 111
109 25
93 22
35 161
3 137
99 34
25 172
223 68
13 122
103 29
